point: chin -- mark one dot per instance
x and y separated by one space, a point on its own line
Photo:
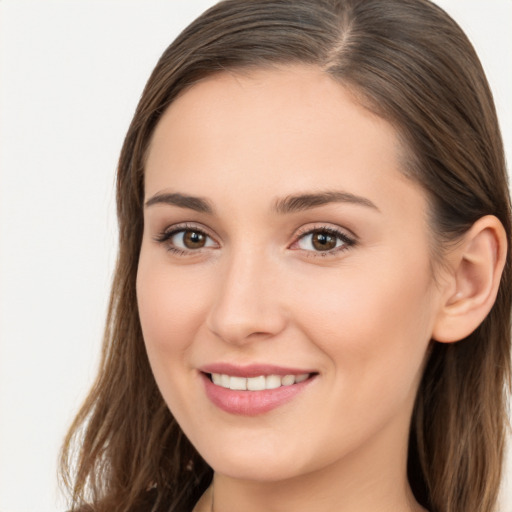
264 461
256 470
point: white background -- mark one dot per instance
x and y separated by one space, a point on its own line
71 72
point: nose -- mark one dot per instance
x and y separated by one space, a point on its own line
248 304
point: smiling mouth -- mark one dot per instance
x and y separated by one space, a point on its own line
258 383
254 389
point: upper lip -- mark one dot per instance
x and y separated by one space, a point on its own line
252 370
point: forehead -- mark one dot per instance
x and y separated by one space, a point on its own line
272 132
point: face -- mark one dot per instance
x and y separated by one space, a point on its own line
284 284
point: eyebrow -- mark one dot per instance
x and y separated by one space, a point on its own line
297 203
197 204
286 205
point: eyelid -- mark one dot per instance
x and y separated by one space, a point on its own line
165 236
348 238
324 226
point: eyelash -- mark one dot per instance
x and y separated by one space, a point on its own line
166 235
347 241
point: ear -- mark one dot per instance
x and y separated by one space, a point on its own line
475 268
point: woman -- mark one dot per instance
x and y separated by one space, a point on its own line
311 308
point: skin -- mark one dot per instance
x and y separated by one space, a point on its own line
361 316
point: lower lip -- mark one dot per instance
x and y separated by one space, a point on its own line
251 403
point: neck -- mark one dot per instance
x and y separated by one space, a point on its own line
306 493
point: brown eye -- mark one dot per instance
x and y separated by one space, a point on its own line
194 239
187 239
323 241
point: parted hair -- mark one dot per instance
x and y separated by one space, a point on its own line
410 63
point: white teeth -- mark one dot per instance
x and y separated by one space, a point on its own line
288 380
238 383
256 383
259 383
224 381
272 381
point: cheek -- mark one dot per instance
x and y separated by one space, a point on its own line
170 308
374 324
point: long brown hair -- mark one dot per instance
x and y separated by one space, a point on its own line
410 63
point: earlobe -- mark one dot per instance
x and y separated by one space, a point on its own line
476 266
